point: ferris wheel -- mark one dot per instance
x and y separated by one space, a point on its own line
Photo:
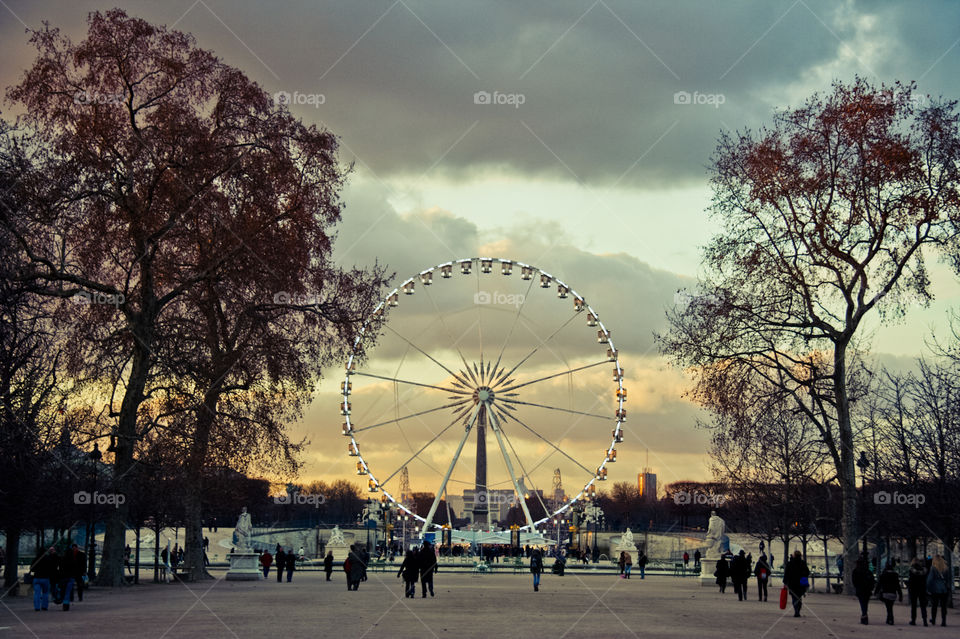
476 347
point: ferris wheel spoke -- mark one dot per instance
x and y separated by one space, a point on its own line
554 446
556 408
423 448
456 404
513 325
537 348
506 458
523 469
456 343
453 462
428 355
404 381
543 379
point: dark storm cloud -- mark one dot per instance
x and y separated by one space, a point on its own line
597 80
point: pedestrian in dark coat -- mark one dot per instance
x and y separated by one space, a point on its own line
328 564
721 573
427 562
290 563
796 577
739 573
939 584
410 571
355 568
536 567
281 558
266 560
917 590
888 587
78 568
44 570
863 585
762 573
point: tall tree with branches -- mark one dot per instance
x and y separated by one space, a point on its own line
827 216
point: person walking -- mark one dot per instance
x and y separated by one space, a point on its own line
44 569
65 580
642 561
410 571
938 589
917 590
290 563
622 562
266 560
739 573
796 577
328 564
686 559
888 587
762 572
427 562
863 586
127 553
721 573
365 561
281 558
696 558
627 564
536 567
354 568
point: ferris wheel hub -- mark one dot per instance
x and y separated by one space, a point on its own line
484 395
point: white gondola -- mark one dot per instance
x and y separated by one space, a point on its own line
408 288
344 408
545 280
579 304
591 319
371 485
486 266
617 435
601 474
603 337
393 300
621 415
361 469
622 394
562 291
352 450
526 273
426 278
347 429
612 455
617 374
506 267
465 266
346 388
446 271
611 354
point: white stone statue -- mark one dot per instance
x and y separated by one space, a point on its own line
336 537
716 541
243 531
627 539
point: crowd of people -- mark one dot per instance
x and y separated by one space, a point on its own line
58 575
927 582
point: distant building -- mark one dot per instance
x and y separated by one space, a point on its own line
647 485
498 502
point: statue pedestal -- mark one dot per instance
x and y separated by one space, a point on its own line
707 566
244 566
340 551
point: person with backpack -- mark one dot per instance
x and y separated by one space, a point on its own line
863 585
536 567
762 572
888 588
939 585
410 571
796 577
917 590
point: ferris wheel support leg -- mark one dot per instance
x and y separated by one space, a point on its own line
443 485
516 485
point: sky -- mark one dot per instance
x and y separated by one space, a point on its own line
574 136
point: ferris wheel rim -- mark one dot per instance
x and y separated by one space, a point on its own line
425 278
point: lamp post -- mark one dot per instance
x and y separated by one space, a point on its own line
863 464
94 456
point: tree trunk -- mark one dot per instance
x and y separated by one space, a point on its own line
136 561
193 506
156 554
851 528
11 565
114 538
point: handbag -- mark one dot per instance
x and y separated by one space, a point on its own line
804 582
783 598
889 596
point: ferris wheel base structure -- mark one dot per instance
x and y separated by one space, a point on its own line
487 393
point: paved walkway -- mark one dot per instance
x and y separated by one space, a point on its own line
598 607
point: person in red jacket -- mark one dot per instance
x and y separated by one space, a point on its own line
266 560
